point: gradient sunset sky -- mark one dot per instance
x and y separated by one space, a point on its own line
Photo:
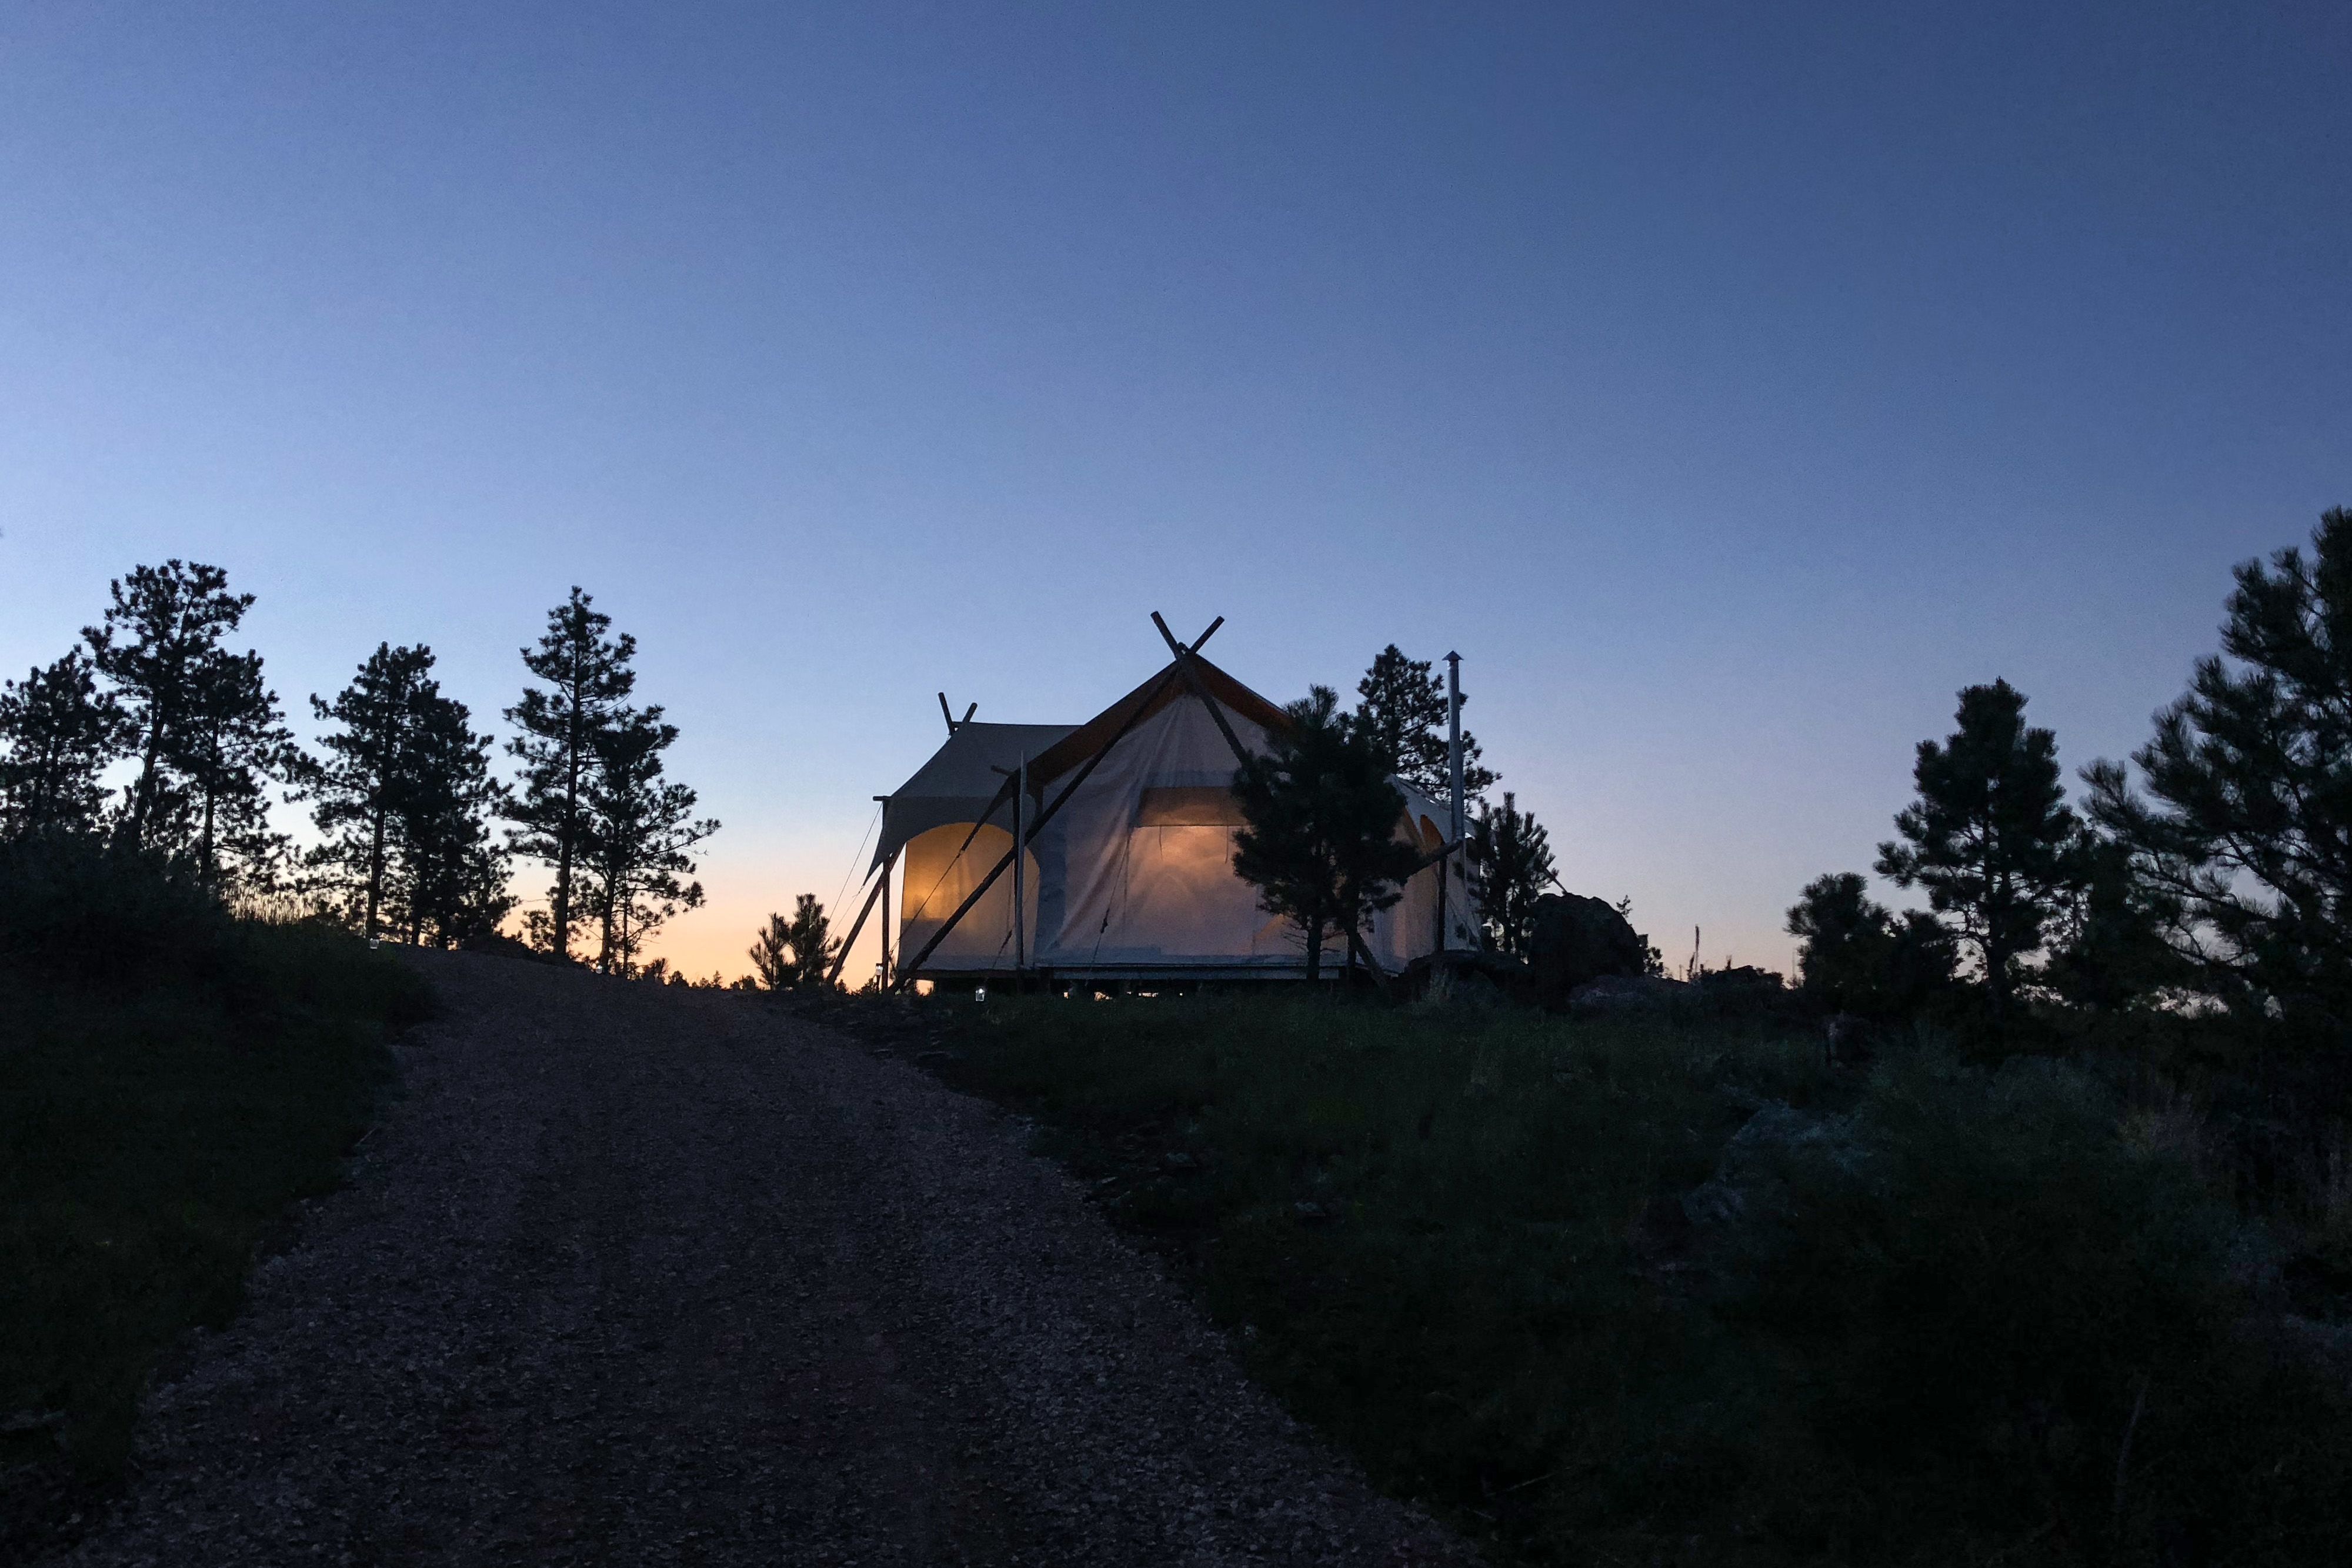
1730 383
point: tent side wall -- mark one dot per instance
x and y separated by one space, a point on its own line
938 880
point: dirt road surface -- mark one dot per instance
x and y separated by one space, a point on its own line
635 1276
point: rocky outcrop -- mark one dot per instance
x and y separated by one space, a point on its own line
1578 940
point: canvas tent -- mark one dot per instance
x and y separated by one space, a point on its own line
1126 875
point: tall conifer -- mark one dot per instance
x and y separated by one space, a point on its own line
1991 836
2242 845
1321 822
1400 712
1511 852
230 746
57 733
157 644
452 881
639 825
368 762
407 795
587 677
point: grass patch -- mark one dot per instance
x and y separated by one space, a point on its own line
153 1129
1456 1241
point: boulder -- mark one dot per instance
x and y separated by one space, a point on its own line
1624 994
1749 1185
1578 940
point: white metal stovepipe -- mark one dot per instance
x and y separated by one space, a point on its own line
1453 766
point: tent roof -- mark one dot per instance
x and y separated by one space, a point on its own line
1082 742
960 779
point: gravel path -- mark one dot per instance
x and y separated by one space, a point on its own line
636 1276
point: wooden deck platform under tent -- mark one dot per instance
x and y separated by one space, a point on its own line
1127 823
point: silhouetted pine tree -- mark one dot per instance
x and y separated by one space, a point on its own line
773 963
2108 951
1510 854
230 746
1856 956
57 733
359 788
2244 841
638 828
1401 711
1321 841
588 677
407 798
796 953
452 881
1991 836
813 941
158 644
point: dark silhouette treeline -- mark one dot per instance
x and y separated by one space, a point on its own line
418 834
2195 908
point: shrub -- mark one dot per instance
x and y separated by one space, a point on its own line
170 1079
74 909
1996 1294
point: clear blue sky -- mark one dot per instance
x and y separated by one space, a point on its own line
1729 387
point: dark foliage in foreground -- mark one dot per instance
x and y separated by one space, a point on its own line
1458 1240
170 1080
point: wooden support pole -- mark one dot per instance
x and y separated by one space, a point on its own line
1357 949
1020 875
859 924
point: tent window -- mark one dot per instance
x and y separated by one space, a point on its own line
1189 806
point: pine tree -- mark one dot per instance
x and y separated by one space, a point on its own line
772 960
637 829
796 953
1991 836
452 881
588 678
57 733
1844 938
813 941
1511 853
1320 840
408 797
1402 711
158 644
369 760
2244 842
2110 953
1855 956
231 744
